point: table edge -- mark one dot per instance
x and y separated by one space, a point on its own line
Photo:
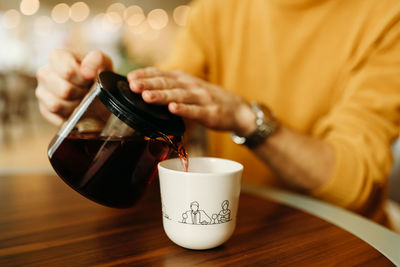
379 237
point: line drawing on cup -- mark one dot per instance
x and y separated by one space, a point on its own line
197 216
164 214
225 214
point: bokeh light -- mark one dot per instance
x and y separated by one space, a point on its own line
113 18
79 11
181 14
118 8
157 19
29 7
60 13
134 15
132 10
11 19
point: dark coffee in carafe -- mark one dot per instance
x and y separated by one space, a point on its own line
109 148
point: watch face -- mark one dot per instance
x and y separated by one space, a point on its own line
266 125
238 139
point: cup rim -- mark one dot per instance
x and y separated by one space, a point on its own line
237 168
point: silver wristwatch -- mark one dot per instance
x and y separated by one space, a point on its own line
266 125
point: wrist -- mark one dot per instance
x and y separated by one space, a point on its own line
265 125
246 120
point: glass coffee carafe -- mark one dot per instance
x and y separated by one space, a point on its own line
108 150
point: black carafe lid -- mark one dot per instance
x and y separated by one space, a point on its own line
151 120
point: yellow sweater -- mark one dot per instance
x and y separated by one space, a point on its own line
327 68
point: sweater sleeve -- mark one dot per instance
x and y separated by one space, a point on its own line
362 126
189 51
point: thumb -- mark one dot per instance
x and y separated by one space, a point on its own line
93 63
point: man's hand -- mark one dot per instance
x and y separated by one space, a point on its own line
194 99
301 160
65 81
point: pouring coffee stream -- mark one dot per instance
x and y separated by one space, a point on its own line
180 150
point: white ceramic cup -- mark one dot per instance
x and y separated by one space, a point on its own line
199 207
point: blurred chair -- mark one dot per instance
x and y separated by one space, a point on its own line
393 205
3 108
16 95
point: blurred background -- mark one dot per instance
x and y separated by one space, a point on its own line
133 33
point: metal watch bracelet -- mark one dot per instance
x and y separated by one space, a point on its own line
266 125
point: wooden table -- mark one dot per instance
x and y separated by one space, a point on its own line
45 223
